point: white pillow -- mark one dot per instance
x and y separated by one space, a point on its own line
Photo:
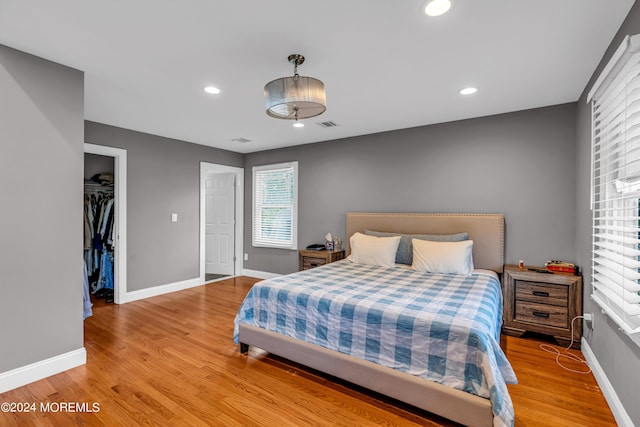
443 257
373 250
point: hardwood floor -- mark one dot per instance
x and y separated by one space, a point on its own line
171 360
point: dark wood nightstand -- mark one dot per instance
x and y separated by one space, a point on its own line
310 259
542 303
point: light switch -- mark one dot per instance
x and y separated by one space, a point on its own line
174 217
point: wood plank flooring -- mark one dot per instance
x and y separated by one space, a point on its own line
171 361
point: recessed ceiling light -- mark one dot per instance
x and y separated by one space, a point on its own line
468 91
211 89
436 7
298 125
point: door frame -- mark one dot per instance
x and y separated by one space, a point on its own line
120 219
212 168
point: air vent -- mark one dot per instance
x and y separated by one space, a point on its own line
328 124
241 140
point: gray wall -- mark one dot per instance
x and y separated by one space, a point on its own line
618 356
521 164
41 136
163 177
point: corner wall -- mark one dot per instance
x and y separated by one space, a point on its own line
617 355
41 174
163 177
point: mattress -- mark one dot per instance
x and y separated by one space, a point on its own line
440 327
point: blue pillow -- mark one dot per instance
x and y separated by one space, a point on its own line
404 254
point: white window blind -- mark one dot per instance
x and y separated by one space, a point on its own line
615 274
275 205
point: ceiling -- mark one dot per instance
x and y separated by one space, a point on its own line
385 65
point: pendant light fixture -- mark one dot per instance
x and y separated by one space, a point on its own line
297 97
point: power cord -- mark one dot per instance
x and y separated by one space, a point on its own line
559 355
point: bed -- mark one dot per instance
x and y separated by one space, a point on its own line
372 325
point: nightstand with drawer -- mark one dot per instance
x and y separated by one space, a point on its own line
542 303
310 259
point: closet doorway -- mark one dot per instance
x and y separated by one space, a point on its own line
221 212
119 220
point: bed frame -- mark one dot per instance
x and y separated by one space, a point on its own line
487 233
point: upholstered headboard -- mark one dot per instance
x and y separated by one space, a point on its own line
486 230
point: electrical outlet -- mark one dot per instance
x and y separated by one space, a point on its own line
246 257
588 320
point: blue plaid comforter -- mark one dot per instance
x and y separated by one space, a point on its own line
442 327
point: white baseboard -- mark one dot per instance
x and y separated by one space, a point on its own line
38 370
617 409
161 290
259 274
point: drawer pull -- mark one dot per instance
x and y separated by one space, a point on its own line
540 294
540 314
314 264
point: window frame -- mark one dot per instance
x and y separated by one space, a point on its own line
258 240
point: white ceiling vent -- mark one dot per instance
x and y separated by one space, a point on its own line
241 140
327 124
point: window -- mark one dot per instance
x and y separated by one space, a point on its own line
275 205
616 188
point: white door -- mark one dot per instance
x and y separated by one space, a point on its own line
219 223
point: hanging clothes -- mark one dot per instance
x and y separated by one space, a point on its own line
105 279
86 298
99 223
